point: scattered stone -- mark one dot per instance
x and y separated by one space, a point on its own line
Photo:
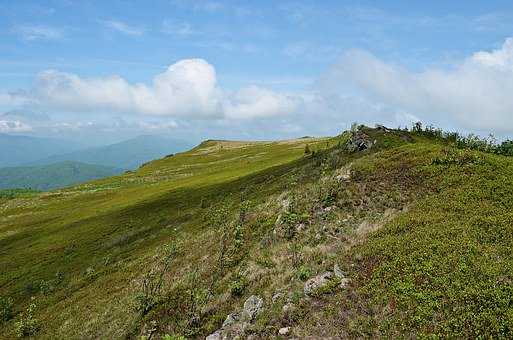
277 296
344 173
288 307
344 281
215 336
338 272
236 323
252 307
231 319
317 282
284 331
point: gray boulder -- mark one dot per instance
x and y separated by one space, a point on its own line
359 141
252 307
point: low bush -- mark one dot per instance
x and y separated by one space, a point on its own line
6 309
27 325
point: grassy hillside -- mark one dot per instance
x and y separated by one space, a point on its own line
420 228
53 176
128 154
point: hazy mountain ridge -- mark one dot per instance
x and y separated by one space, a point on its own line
17 150
52 176
128 154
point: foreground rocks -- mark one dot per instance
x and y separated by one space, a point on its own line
236 323
325 280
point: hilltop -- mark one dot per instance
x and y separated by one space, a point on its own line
375 232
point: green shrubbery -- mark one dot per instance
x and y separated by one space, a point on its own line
27 325
6 309
471 141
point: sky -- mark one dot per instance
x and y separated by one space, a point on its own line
103 71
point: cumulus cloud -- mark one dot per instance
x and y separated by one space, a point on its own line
475 94
186 89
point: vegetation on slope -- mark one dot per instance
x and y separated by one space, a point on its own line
53 176
88 243
418 223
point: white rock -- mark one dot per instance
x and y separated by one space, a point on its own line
214 336
284 331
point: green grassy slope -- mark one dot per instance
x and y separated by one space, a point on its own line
53 176
104 227
422 230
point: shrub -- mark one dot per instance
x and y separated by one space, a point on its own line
28 325
303 273
152 282
238 285
6 309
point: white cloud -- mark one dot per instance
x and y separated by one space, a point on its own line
124 28
186 89
257 102
37 32
7 126
475 94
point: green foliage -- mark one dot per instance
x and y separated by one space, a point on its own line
27 325
458 157
112 224
303 273
238 285
6 309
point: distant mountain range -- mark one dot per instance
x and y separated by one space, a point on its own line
18 150
53 176
128 154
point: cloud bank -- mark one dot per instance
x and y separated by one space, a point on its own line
476 93
186 89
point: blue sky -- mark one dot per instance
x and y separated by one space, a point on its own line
100 70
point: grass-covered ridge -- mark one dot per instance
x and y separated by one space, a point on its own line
419 223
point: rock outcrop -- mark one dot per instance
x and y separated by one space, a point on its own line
359 141
236 323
